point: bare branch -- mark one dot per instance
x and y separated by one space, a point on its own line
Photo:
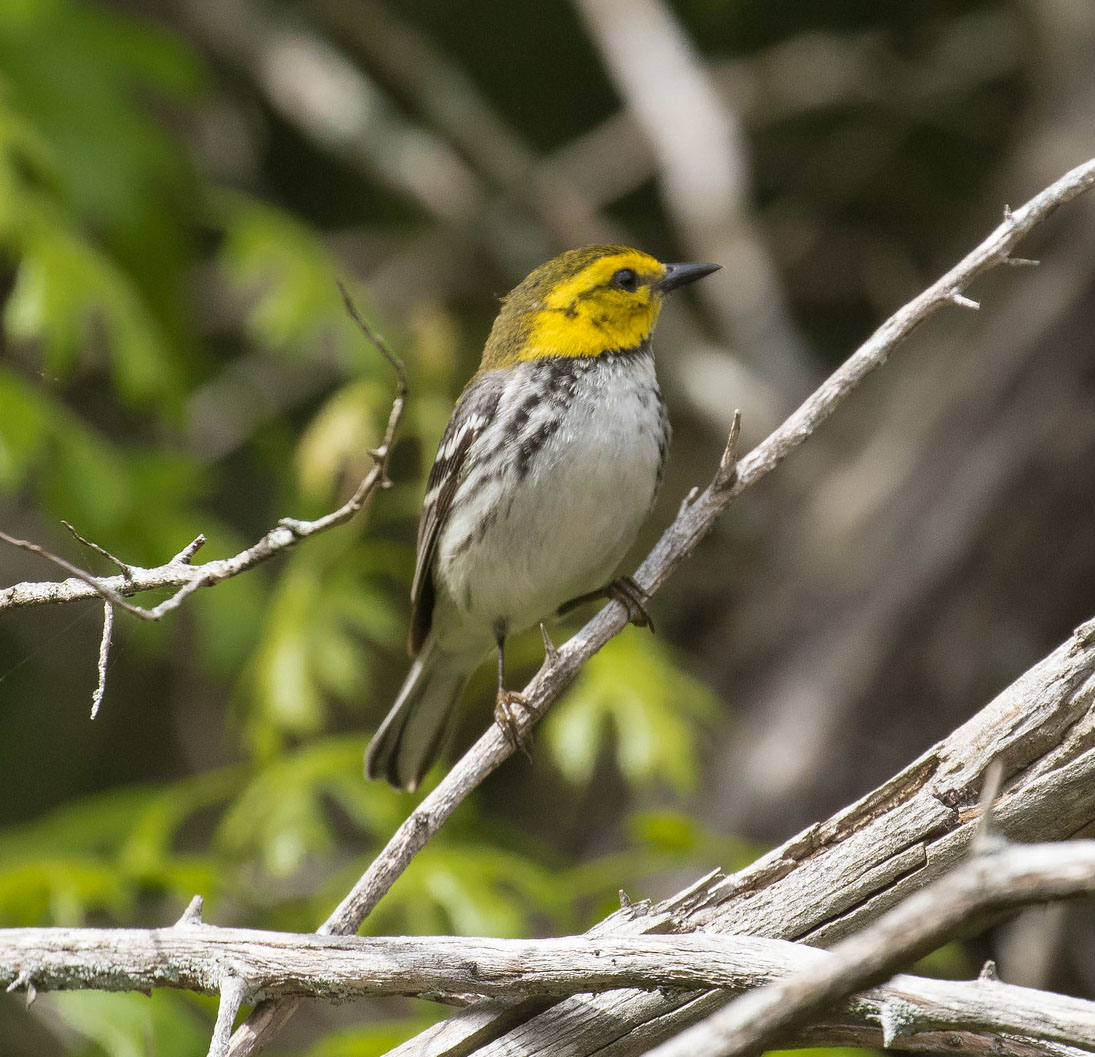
180 573
676 544
826 882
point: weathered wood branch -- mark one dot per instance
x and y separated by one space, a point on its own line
785 981
999 875
693 522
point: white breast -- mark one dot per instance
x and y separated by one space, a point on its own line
541 526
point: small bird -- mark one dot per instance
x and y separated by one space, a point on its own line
548 467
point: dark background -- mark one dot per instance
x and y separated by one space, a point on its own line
180 186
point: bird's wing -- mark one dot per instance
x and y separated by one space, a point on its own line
473 411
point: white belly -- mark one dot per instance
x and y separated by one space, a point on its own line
560 529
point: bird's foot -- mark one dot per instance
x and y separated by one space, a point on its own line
634 599
504 715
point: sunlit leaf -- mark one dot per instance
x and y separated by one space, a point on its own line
24 429
333 451
281 817
632 691
65 288
291 279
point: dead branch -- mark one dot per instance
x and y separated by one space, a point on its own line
998 875
786 982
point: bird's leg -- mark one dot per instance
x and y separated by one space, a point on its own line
505 703
624 590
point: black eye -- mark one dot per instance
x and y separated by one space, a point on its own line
626 279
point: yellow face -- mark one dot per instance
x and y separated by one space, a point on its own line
584 303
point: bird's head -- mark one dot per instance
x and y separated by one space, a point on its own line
600 299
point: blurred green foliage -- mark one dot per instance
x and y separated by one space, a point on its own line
166 1023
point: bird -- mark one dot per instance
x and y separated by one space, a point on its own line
547 468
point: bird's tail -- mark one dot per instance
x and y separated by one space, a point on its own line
413 732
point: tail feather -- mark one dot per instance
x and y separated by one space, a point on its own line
412 734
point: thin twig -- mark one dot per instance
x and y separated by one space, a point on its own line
233 991
986 834
186 555
122 566
31 594
22 980
104 654
192 915
728 464
676 544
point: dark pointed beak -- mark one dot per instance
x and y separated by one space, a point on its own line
680 274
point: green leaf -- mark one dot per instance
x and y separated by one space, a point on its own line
465 885
633 690
680 836
291 278
61 890
87 484
78 72
24 429
105 850
64 288
128 1025
333 453
287 695
281 816
322 620
26 162
949 962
